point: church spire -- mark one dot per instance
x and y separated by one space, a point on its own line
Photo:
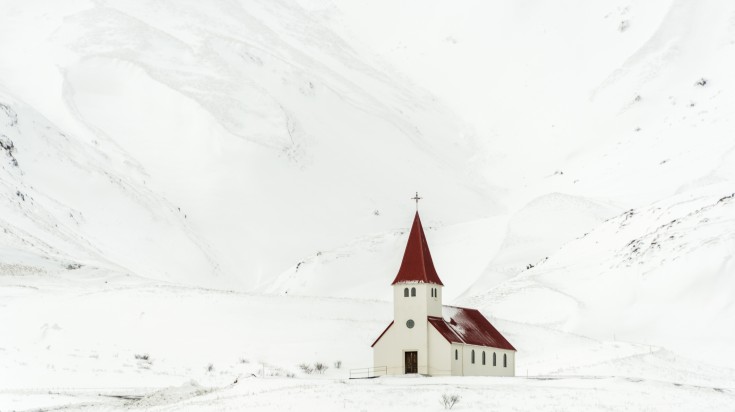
417 265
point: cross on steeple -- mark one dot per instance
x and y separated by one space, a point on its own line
417 198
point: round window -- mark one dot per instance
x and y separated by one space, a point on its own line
409 323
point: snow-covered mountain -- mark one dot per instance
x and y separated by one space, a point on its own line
166 164
273 136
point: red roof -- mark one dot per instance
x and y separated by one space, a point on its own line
463 325
417 265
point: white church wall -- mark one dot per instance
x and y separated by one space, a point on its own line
433 303
440 354
399 339
478 369
411 308
437 358
457 353
419 306
385 355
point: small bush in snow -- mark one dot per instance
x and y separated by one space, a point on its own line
320 367
281 372
448 401
210 368
338 364
142 356
306 368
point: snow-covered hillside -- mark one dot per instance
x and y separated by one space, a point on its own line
273 136
661 275
190 183
67 200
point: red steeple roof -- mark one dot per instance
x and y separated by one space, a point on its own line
417 265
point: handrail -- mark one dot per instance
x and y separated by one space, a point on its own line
365 373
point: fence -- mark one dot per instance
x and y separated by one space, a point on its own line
367 373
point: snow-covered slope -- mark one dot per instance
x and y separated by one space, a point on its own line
69 200
545 84
281 130
273 136
366 266
576 160
660 275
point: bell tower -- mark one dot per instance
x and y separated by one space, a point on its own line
417 295
403 347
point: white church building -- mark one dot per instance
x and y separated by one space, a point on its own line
428 338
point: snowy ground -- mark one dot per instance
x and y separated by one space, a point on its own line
393 394
94 339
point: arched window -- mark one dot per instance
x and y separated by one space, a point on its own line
456 354
505 360
495 363
405 292
413 291
473 356
483 357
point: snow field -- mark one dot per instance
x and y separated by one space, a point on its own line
92 338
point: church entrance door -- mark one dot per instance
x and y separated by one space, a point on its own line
412 362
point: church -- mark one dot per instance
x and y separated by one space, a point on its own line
428 338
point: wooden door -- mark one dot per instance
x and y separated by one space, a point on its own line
412 362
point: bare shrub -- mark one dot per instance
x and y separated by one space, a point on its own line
306 368
448 401
320 367
144 360
210 367
338 364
